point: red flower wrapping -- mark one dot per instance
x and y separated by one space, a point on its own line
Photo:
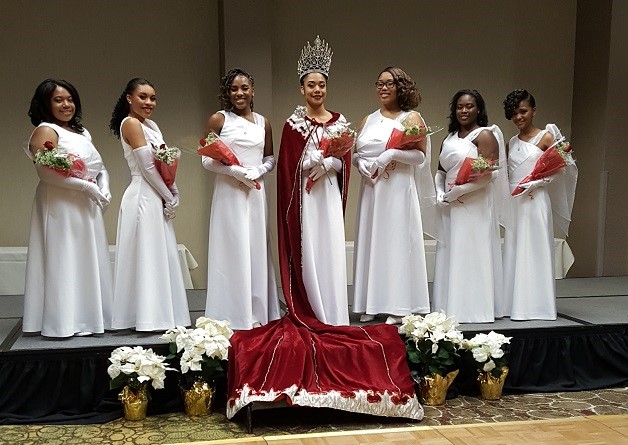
168 172
219 151
77 169
334 146
469 173
550 162
337 146
401 141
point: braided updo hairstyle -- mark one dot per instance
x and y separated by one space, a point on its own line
225 87
122 107
513 100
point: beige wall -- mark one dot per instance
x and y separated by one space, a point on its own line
99 46
444 45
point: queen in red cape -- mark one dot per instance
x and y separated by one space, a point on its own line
309 357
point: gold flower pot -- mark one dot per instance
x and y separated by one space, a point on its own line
198 400
491 387
134 403
433 388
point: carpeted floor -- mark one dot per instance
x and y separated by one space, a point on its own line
177 428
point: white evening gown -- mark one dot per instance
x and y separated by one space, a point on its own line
323 238
68 273
241 284
149 293
529 247
390 270
468 282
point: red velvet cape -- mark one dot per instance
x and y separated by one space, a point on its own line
300 359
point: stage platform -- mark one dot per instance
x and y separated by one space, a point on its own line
585 348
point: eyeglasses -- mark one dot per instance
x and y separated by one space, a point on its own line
388 84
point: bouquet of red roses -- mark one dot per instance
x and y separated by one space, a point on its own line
473 169
65 163
215 148
410 137
550 162
167 161
336 144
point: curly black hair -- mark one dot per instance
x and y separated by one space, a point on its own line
482 119
407 95
122 108
225 87
40 110
513 100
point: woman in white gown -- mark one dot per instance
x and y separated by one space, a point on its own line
468 272
390 270
241 284
321 275
68 274
149 293
529 246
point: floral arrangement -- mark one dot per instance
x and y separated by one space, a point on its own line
60 160
473 169
337 142
551 161
488 352
410 137
166 154
200 350
209 139
432 343
564 149
135 366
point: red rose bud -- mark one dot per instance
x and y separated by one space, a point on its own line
49 145
567 148
202 142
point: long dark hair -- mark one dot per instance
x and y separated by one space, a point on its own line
408 96
482 119
513 100
122 108
225 87
40 110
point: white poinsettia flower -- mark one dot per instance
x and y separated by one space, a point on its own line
113 370
497 352
434 348
489 366
480 354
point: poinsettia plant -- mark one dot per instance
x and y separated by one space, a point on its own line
200 350
432 343
488 351
135 366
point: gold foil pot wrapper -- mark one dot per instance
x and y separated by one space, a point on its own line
433 388
134 403
198 400
491 387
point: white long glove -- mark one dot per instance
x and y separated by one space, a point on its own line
362 165
458 190
529 186
172 206
236 171
410 157
50 176
439 183
103 183
146 162
324 167
267 165
314 158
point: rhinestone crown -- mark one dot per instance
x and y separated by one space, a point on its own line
315 59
